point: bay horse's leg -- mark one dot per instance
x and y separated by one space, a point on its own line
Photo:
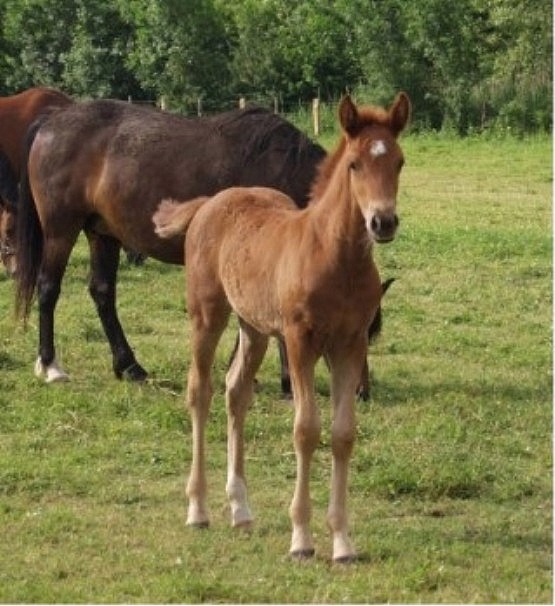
55 256
363 388
239 394
345 365
102 287
207 323
306 436
284 364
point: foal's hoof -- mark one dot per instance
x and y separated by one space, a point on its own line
135 373
244 525
199 525
302 554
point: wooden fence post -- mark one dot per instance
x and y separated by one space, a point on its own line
242 102
199 107
316 116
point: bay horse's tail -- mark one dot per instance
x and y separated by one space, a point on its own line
29 237
376 327
172 218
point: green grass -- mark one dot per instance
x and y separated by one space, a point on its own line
451 484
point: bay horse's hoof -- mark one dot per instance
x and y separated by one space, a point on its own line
302 554
51 373
363 395
135 373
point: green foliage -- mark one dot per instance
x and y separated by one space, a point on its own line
96 63
293 49
451 479
37 33
467 65
180 51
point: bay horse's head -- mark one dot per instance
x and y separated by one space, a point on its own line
375 160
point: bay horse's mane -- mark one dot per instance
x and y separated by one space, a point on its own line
368 116
267 131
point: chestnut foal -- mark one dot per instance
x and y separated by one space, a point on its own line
307 275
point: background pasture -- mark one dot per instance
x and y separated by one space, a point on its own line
451 485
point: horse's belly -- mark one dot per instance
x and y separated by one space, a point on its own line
255 304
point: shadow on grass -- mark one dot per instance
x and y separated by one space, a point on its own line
7 362
398 393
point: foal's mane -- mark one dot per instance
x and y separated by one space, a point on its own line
367 116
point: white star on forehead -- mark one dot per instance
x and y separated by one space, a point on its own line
378 148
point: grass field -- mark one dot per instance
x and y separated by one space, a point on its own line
451 484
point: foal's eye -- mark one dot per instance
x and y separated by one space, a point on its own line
354 165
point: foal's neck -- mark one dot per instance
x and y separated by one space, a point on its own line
336 214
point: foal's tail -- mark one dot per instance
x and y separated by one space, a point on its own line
173 217
28 241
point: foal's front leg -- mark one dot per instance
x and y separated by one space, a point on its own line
345 365
306 436
239 394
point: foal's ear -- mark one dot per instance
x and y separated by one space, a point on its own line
399 113
348 115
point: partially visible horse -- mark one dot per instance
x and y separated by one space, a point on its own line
103 167
17 113
306 275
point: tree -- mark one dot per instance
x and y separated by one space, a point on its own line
95 63
180 50
35 41
518 81
292 49
465 63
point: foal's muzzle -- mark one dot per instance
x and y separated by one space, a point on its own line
382 226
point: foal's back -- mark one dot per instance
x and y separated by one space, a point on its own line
245 265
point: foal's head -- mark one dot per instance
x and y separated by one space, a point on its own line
375 161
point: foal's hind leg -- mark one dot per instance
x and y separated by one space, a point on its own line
102 287
208 322
239 394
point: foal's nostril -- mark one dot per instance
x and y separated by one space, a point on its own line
384 226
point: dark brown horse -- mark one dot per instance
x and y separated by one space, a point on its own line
306 275
103 167
17 113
